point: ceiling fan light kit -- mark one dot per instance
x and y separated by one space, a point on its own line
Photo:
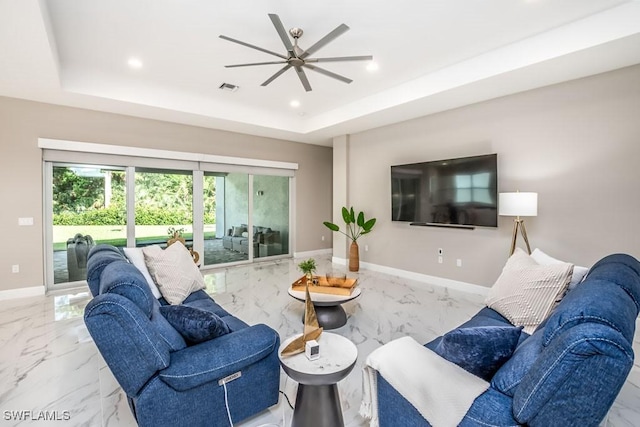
298 58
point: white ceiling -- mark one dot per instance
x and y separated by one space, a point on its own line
432 55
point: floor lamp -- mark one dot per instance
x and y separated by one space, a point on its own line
518 204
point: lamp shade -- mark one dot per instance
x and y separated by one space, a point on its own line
518 204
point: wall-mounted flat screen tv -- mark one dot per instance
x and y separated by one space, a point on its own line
461 191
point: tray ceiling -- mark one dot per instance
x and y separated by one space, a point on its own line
431 56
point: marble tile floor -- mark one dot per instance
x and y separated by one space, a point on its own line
49 363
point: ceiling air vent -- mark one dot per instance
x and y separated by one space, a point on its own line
228 87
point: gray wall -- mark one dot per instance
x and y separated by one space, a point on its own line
23 122
577 144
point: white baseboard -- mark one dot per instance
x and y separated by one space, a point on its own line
33 291
308 254
419 277
339 261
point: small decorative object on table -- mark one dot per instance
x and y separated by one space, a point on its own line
308 267
312 350
311 331
321 285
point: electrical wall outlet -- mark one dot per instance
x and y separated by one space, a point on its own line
459 262
15 268
323 238
25 221
366 248
440 260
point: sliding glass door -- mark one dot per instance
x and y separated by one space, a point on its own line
229 239
251 217
163 206
88 206
270 215
241 216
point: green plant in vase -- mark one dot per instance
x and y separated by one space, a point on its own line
308 267
356 226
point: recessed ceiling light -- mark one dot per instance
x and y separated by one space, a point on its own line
134 63
372 66
295 103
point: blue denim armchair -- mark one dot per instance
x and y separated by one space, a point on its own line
168 382
568 373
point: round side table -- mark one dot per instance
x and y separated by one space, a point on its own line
329 310
317 399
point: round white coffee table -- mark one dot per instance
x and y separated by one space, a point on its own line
318 400
328 307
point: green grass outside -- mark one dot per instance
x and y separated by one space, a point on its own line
112 234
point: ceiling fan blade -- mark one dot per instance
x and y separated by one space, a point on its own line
276 75
253 47
328 73
255 63
275 19
341 58
339 30
303 79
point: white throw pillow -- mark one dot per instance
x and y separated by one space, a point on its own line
136 257
526 292
544 259
174 271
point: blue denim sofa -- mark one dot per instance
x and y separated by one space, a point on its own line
568 373
167 382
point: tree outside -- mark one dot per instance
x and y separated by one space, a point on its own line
93 201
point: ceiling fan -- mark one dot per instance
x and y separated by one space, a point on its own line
297 57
